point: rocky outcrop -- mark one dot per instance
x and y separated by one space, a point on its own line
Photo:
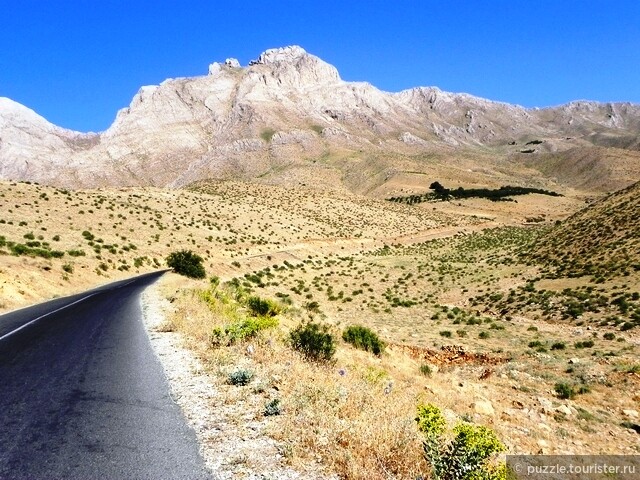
285 108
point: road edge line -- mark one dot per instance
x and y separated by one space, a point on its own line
6 335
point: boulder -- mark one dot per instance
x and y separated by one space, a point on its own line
483 407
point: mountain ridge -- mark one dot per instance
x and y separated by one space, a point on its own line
290 109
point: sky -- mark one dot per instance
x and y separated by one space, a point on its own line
77 62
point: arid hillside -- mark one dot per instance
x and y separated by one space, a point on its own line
471 320
54 241
602 239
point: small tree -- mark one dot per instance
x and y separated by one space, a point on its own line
439 190
186 263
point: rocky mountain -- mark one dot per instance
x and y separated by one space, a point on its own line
288 117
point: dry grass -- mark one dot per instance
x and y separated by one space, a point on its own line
410 273
354 415
134 229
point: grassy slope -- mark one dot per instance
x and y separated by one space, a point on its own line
602 239
133 230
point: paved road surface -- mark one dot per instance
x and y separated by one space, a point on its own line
82 394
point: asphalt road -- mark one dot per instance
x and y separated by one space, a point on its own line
82 395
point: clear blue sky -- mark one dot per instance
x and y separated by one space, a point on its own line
77 62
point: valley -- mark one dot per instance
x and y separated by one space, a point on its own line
488 252
474 311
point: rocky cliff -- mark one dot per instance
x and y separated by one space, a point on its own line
289 111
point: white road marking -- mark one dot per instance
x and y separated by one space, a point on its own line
66 306
45 315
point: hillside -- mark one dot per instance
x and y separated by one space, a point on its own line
54 241
288 118
469 324
603 239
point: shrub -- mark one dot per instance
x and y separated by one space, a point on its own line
261 307
312 307
430 420
446 333
364 339
240 377
466 454
67 267
267 134
426 370
564 390
187 263
626 326
558 346
272 408
609 336
248 328
314 341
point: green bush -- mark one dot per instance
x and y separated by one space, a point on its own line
186 263
248 328
20 249
465 453
364 339
267 134
564 390
272 408
240 377
314 341
261 307
426 370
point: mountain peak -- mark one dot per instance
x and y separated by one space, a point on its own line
276 55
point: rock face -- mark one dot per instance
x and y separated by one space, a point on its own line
288 109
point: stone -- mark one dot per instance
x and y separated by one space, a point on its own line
483 407
215 68
564 409
545 427
232 62
545 403
631 413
